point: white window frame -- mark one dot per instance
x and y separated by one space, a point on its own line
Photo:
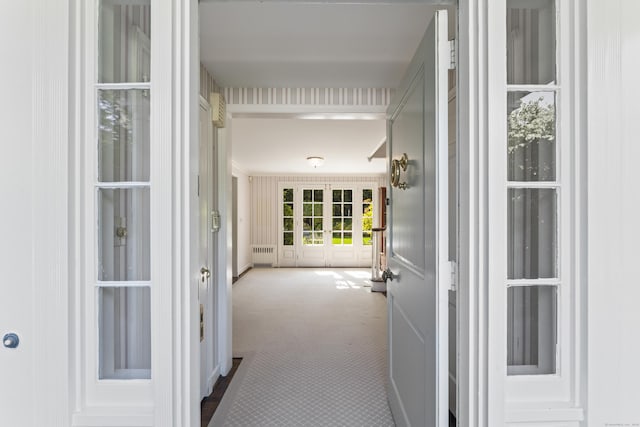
140 402
527 397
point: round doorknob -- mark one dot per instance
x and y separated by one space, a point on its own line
10 340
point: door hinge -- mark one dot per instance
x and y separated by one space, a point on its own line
453 275
452 54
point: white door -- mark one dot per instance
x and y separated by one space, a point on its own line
312 236
418 237
205 245
19 271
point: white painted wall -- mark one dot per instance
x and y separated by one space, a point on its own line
243 214
613 213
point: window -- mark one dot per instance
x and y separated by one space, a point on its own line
367 216
533 189
123 191
312 217
342 221
287 217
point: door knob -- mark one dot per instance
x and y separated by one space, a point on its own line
388 275
205 273
10 340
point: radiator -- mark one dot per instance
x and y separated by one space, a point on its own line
263 255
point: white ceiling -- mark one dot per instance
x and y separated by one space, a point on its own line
309 44
275 146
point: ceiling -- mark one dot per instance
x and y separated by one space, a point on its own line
309 44
267 146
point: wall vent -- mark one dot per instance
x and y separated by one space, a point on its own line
218 109
263 255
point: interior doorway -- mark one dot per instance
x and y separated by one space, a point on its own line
234 231
246 104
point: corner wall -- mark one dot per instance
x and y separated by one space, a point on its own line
613 213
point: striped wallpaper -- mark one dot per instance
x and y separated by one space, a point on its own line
308 96
207 83
265 198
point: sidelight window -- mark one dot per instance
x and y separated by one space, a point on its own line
533 189
122 190
367 216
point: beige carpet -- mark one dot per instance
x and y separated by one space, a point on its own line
314 348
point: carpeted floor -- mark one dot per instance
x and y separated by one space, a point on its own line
313 343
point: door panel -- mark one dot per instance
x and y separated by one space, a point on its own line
204 242
418 237
20 271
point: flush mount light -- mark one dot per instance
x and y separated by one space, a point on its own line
315 161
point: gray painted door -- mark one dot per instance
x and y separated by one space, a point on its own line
418 237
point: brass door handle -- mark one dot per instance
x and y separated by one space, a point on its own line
396 166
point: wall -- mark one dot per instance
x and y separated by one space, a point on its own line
243 215
613 212
207 83
265 199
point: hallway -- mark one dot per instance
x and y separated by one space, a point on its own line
313 343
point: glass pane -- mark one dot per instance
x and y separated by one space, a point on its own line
307 223
287 195
337 210
317 209
123 136
307 209
531 330
337 238
532 233
531 135
125 333
306 195
366 238
348 210
287 238
337 224
288 224
347 224
288 209
367 195
123 234
317 236
348 195
531 42
317 195
124 48
306 238
348 240
317 224
337 195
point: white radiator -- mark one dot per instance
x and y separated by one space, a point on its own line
263 255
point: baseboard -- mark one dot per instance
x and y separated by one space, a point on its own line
244 269
213 378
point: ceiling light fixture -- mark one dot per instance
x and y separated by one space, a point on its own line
315 161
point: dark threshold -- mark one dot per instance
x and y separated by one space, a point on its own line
210 403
